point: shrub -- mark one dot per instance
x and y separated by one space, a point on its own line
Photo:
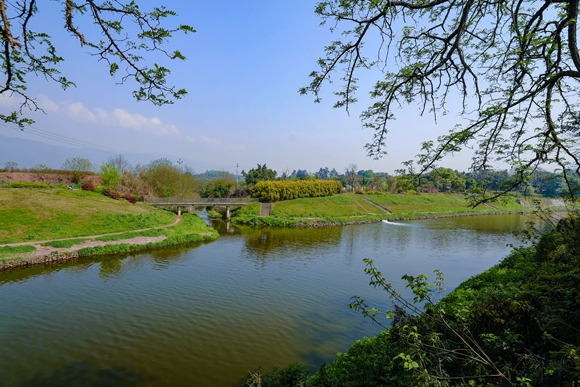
112 194
88 187
25 184
288 190
130 198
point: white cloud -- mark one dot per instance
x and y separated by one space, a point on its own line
208 140
78 111
11 101
46 104
117 118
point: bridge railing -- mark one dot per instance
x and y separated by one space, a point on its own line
200 201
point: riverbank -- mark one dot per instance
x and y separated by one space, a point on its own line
185 229
52 225
515 322
348 209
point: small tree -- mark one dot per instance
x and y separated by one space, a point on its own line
260 173
78 167
110 176
10 166
351 175
120 162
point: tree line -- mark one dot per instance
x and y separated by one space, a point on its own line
162 178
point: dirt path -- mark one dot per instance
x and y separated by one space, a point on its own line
34 243
378 206
45 254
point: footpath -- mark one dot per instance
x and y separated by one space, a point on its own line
46 254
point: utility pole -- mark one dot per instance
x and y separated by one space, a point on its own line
180 177
237 165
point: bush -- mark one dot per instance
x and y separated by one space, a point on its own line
24 184
287 190
88 187
112 194
130 198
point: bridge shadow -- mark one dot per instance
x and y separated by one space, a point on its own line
84 373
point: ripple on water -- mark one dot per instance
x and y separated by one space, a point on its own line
205 316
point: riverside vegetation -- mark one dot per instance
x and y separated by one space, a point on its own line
63 219
348 208
515 324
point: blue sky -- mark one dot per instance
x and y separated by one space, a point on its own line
245 65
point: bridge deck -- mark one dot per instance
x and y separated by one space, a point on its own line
200 202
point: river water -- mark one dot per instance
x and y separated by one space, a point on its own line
205 315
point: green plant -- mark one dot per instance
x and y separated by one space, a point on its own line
110 176
24 184
65 244
294 375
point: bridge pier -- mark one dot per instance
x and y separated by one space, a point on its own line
228 215
191 209
178 211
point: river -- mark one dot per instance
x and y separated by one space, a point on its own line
205 315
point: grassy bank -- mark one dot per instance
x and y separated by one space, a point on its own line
47 214
191 229
353 208
516 324
61 224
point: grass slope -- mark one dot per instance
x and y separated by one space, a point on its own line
348 208
45 214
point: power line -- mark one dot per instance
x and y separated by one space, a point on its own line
71 141
39 132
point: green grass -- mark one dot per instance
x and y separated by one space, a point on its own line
45 214
65 244
9 252
191 229
349 208
131 234
331 206
439 204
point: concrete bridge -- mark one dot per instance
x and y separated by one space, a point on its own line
190 203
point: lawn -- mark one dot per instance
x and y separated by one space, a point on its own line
47 214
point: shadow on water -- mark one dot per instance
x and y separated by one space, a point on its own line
109 265
84 373
263 242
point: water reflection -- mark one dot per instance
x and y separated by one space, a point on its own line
85 373
204 315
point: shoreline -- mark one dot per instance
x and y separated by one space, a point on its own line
75 254
300 224
129 246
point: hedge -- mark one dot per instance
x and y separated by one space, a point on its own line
273 191
26 184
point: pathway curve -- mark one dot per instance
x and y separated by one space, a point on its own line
175 222
378 206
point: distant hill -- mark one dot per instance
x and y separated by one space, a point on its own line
28 153
208 175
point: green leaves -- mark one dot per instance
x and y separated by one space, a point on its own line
125 36
502 68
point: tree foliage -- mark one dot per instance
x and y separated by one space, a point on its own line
513 325
121 35
78 167
260 173
273 191
110 176
513 65
351 175
218 188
